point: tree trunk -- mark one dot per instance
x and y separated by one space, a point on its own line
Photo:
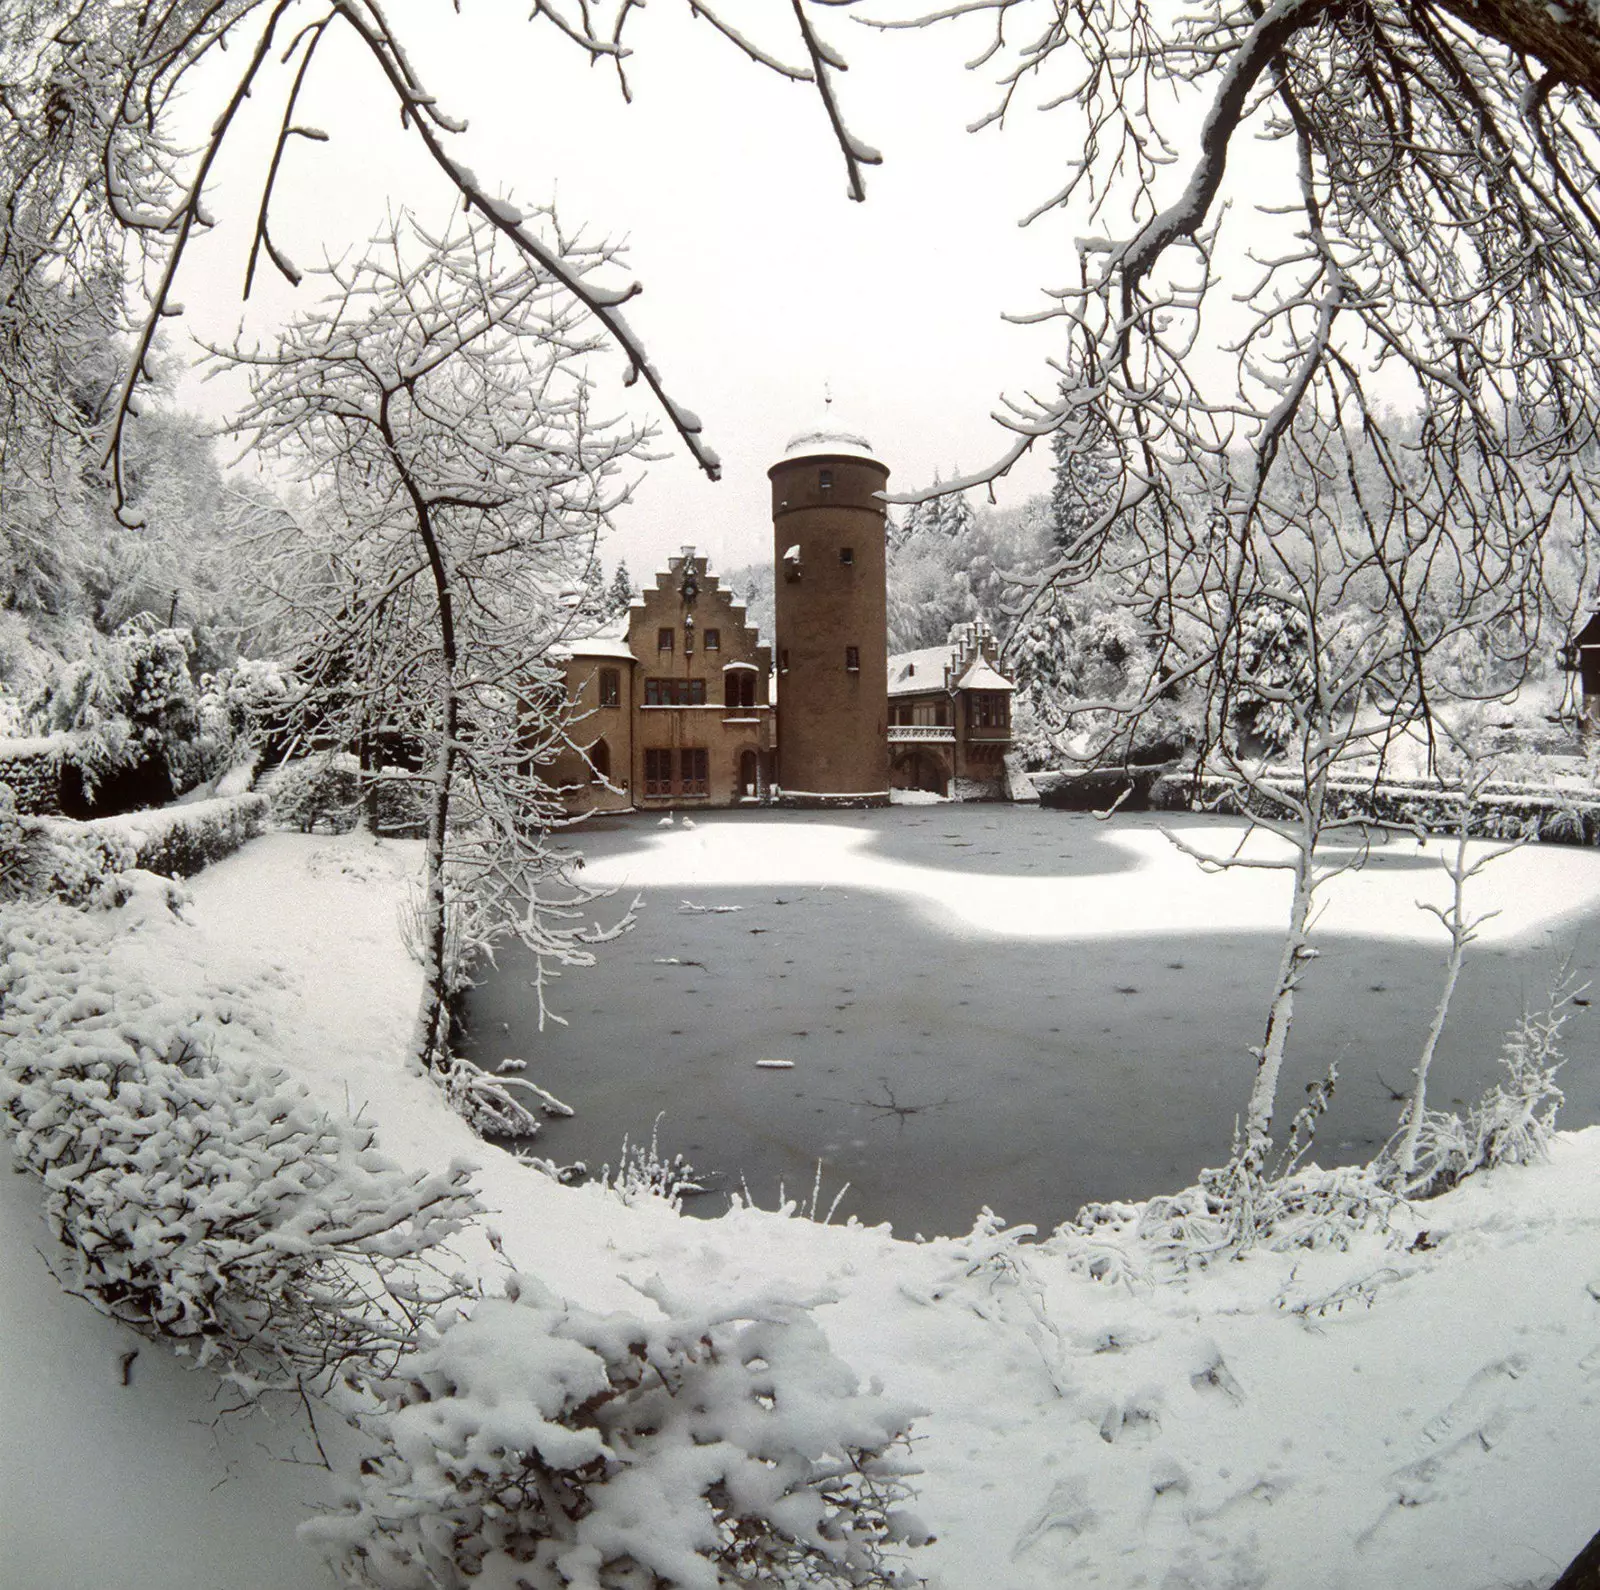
1275 1042
433 1016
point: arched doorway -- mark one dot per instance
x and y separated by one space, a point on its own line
920 769
599 755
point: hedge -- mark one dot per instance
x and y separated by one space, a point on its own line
1500 810
72 860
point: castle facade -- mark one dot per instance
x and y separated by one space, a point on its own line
680 704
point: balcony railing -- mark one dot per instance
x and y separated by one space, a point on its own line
921 734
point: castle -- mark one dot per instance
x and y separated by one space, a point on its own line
682 705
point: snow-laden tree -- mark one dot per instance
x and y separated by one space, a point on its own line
1085 484
1383 218
1312 649
434 407
619 594
95 167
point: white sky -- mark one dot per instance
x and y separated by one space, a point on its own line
762 281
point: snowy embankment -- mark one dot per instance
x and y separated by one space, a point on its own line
1419 1410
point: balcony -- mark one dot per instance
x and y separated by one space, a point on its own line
921 734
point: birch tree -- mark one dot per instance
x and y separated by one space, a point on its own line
435 409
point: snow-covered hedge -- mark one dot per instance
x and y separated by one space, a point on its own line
1500 811
534 1443
199 1197
73 860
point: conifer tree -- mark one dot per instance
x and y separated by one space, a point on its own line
619 596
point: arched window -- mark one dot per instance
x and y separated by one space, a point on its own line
600 761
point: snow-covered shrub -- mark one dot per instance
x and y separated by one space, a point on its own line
644 1173
1511 1124
534 1443
318 794
140 736
32 769
24 851
198 1197
251 697
1272 663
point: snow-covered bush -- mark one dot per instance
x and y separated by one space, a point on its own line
327 794
132 707
1511 1124
534 1443
643 1173
251 697
24 851
317 794
199 1197
1272 664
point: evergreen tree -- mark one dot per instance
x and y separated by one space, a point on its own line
1088 471
953 517
619 597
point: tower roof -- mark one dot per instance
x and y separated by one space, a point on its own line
829 439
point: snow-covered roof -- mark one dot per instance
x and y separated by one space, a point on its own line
911 672
982 676
610 641
829 439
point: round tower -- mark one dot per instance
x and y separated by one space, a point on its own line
831 662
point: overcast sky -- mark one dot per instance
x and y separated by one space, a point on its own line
762 280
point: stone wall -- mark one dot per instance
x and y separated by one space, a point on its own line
32 771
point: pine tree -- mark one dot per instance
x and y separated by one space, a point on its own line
952 515
619 597
1088 472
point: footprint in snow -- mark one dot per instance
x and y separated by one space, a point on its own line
1066 1508
1480 1402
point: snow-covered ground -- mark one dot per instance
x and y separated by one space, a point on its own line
1419 1410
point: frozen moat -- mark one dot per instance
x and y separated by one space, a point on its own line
1005 1006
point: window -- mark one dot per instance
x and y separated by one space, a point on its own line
847 556
713 640
657 772
694 770
663 640
739 688
852 659
674 692
610 687
988 710
600 762
824 480
783 660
